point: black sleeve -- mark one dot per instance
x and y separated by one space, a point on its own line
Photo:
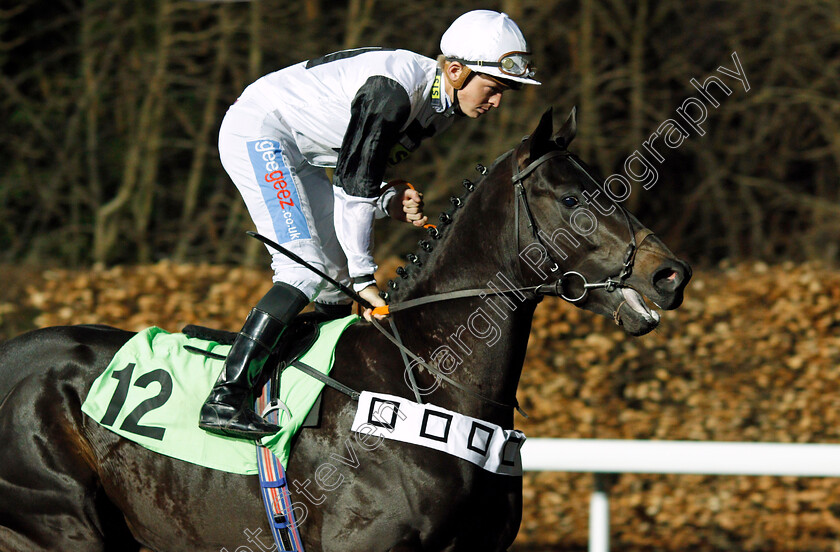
381 107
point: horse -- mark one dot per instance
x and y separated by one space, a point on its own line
536 223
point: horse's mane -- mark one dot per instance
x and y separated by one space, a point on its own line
408 273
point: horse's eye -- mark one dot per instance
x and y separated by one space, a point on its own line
570 201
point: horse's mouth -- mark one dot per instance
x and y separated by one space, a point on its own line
633 314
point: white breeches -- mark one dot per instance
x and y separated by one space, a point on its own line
289 200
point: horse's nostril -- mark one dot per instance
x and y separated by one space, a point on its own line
667 278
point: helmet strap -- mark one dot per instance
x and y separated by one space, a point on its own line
462 79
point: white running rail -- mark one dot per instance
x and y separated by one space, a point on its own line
613 456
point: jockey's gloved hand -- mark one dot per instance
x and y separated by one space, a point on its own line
407 206
371 294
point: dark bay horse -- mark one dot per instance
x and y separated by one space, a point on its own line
67 483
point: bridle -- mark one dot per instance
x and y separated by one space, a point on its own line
609 284
556 288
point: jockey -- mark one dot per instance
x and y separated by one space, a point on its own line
357 111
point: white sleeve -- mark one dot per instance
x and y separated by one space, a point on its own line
354 218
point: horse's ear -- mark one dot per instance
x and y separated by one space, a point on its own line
543 132
538 142
567 132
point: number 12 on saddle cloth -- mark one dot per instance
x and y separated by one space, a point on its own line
153 389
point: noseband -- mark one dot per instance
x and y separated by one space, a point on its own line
609 284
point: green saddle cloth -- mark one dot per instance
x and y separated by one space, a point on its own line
153 389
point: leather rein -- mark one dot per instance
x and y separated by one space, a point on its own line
556 289
609 284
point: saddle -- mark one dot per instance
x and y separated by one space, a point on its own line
297 339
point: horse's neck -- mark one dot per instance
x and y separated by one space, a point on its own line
479 343
481 339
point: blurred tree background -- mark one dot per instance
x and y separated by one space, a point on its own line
111 111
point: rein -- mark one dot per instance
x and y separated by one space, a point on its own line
609 284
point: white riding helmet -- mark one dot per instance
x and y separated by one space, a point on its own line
489 42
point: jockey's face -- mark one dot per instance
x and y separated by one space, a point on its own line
480 94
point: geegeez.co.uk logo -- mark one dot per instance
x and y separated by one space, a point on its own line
273 174
279 191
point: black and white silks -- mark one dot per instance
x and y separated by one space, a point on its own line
358 111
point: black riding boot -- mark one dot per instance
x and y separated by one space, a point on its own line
227 411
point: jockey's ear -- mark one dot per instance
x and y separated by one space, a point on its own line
567 132
457 74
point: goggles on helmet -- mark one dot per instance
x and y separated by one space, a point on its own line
515 64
